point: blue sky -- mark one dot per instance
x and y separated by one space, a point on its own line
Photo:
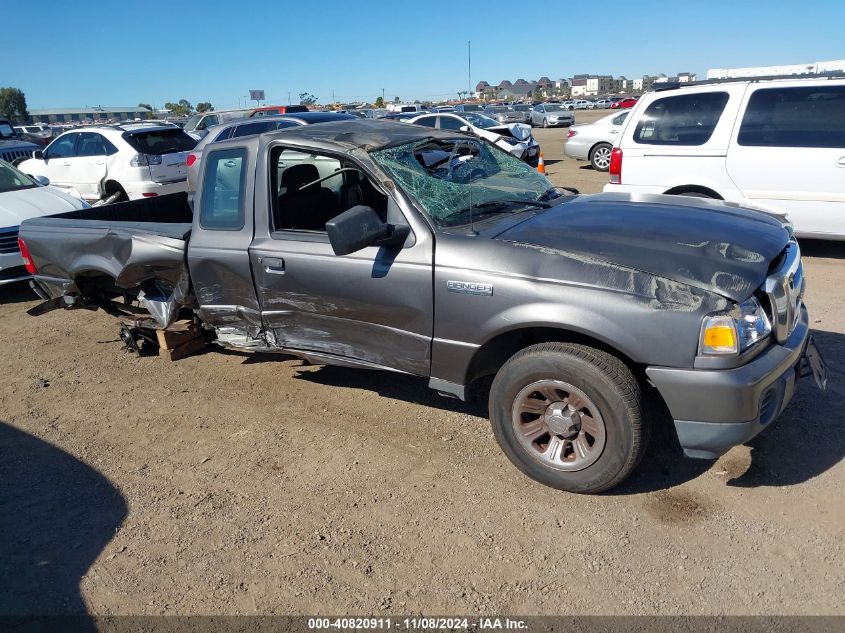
68 54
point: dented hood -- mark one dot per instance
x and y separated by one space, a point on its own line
519 131
707 244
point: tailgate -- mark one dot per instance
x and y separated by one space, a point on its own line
173 167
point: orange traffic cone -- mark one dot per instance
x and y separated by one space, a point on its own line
541 165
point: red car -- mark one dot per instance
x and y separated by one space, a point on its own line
627 102
274 110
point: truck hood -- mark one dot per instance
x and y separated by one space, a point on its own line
17 206
707 244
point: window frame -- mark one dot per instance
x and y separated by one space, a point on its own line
243 154
76 135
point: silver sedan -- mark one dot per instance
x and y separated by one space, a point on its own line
551 115
594 141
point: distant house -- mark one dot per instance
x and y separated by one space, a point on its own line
102 114
518 90
483 89
504 85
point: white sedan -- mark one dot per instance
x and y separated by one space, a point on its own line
22 197
514 138
594 141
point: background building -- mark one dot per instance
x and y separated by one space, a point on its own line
87 115
813 68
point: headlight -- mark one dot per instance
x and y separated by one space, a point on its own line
734 331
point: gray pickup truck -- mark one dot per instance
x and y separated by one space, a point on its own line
396 247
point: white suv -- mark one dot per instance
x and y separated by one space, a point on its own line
132 161
778 145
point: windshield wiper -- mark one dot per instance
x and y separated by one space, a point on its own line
494 206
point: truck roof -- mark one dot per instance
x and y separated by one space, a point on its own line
366 134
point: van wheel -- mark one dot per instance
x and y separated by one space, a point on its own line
569 416
600 157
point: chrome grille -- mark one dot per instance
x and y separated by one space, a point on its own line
12 155
8 241
785 290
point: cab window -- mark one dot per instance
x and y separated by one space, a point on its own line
222 204
687 119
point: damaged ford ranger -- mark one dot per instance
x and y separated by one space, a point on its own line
396 247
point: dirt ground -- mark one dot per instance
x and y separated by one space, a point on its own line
233 484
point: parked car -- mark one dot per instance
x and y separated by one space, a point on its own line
503 114
40 133
583 104
594 141
251 127
551 115
469 107
399 116
13 148
777 144
603 104
130 161
627 102
271 110
22 197
568 104
199 124
385 246
525 110
515 138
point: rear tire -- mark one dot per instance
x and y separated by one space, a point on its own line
569 416
112 188
600 156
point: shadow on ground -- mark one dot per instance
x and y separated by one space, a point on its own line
822 248
56 516
18 292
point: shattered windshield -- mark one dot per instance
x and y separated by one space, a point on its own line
457 180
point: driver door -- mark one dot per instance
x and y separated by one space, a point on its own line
373 307
58 159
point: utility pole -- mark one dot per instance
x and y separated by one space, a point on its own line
469 67
288 97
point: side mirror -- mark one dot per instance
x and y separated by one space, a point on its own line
41 180
360 227
465 128
38 154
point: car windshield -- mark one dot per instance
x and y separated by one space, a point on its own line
6 131
498 109
554 107
522 108
471 108
450 179
12 180
479 120
192 123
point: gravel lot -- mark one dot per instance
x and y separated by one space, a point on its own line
226 483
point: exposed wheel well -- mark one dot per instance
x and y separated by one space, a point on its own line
495 352
694 189
112 186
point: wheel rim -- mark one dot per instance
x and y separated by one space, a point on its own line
545 123
601 157
558 425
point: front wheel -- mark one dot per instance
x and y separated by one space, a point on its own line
569 416
545 123
600 156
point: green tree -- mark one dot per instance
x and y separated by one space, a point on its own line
379 103
13 104
146 105
204 106
307 99
396 99
182 108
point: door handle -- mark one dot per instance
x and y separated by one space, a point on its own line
841 162
99 162
66 164
614 131
273 265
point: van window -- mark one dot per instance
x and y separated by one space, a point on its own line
806 116
686 119
221 207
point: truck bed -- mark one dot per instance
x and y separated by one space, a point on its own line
131 249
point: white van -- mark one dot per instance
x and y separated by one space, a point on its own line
777 144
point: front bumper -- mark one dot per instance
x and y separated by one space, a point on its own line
715 410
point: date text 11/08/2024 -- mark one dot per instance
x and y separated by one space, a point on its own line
416 623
